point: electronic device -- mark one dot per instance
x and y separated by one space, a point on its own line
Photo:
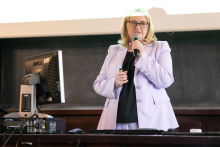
36 125
42 84
135 131
76 131
49 68
139 131
192 134
136 51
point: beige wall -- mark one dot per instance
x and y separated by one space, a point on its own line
162 23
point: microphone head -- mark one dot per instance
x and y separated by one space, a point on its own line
136 37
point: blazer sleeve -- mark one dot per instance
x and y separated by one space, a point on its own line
104 85
160 72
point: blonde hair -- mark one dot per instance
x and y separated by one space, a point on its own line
149 38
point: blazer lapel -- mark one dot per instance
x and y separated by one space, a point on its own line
120 57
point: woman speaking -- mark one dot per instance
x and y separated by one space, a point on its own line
134 76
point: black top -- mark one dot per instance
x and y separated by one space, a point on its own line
127 107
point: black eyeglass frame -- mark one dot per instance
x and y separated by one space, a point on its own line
137 24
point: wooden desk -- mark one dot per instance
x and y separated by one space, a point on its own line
90 140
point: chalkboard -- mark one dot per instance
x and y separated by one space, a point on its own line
195 56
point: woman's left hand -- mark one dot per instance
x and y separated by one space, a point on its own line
137 45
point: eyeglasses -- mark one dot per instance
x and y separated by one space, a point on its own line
141 24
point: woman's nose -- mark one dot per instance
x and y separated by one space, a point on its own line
137 26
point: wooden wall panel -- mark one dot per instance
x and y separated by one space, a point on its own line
207 120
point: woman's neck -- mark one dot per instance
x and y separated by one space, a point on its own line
129 49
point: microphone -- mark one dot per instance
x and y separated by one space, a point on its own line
136 52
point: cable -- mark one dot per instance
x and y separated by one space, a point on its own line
39 139
24 127
5 137
12 133
39 108
79 140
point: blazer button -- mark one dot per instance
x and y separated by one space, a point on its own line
140 68
139 100
144 72
138 87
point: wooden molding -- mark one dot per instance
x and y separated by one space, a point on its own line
178 112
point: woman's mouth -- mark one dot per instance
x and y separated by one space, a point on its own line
137 32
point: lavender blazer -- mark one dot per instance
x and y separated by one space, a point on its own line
153 73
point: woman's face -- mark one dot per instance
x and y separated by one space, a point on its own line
142 32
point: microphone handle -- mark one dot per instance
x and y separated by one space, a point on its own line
136 53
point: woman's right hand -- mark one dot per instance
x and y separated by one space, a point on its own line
120 78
